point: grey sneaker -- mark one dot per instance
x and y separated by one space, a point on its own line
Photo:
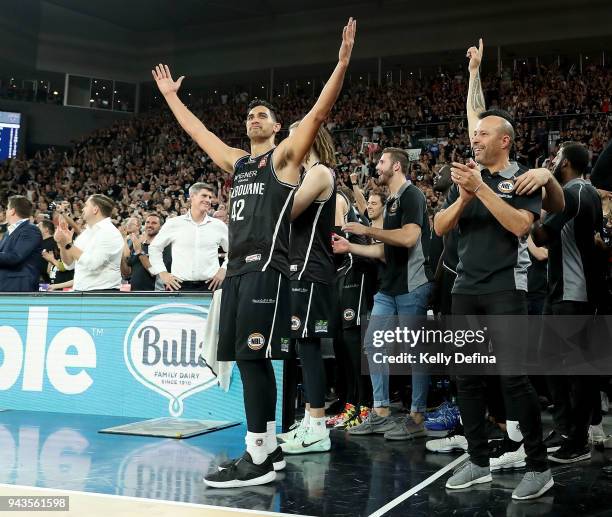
533 485
406 429
374 424
468 474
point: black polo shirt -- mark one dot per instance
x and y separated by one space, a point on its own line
141 279
573 270
406 268
47 244
492 259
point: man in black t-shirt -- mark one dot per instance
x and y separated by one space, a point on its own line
405 284
47 228
493 221
601 178
575 279
138 260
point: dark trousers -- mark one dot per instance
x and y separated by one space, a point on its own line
194 286
446 282
535 307
358 387
575 397
519 396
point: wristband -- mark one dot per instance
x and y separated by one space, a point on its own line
479 185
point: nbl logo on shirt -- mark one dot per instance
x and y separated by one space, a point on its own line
163 350
348 314
295 323
263 162
256 341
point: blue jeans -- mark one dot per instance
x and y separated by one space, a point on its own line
413 303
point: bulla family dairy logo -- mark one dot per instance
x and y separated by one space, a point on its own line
163 350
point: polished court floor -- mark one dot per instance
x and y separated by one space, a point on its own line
360 476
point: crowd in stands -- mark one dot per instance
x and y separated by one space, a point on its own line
147 163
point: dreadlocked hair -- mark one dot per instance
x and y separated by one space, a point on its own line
323 146
348 193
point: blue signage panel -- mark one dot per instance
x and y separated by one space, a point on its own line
9 134
126 355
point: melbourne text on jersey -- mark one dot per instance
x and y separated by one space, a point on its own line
248 189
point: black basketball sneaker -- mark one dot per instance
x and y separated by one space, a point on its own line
242 473
277 458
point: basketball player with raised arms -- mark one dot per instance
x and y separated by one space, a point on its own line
255 308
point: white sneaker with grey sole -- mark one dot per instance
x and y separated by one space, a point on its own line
309 442
509 460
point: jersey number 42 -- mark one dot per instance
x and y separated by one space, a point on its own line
237 208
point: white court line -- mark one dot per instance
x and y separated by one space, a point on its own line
143 499
420 486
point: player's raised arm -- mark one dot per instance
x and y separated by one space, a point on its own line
475 104
314 185
292 150
222 154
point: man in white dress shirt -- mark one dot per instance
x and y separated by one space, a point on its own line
195 238
95 255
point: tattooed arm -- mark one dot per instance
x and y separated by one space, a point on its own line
475 99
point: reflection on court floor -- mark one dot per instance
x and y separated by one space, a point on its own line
358 477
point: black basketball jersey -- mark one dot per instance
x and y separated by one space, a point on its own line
356 269
260 211
351 216
310 251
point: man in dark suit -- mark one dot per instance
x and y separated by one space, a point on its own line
20 249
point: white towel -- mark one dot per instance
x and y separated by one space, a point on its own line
223 369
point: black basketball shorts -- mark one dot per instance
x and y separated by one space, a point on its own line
313 309
255 317
352 302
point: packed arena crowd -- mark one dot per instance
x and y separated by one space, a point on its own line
147 162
